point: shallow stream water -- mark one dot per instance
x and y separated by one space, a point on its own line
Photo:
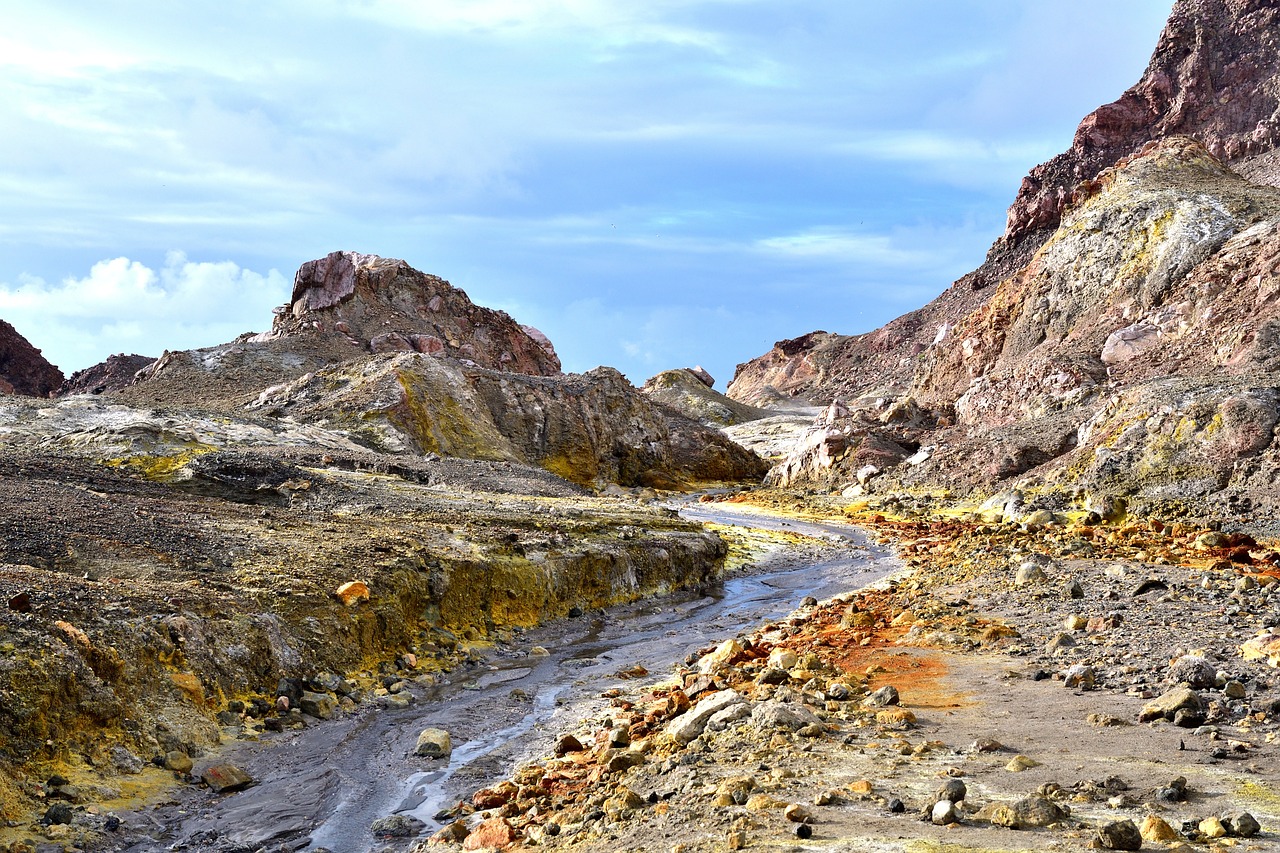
324 786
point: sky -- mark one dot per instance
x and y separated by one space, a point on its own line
653 185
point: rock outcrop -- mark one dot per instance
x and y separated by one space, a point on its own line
383 305
1214 76
692 396
592 428
23 370
118 371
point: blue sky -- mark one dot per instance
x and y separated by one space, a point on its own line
653 185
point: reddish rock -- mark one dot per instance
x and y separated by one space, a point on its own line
388 306
118 371
494 833
23 370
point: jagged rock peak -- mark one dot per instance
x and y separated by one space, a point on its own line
385 305
1214 76
23 370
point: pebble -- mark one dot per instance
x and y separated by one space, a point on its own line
1029 573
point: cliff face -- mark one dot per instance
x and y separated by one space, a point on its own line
1214 77
118 371
23 370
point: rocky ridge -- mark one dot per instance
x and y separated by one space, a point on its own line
1120 339
118 371
1213 78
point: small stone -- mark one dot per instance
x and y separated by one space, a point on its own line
693 722
352 593
177 761
567 744
397 826
783 659
1075 622
1241 824
1156 828
1120 835
1194 671
724 654
944 812
771 715
58 813
1081 676
896 717
1019 763
1168 704
1028 574
952 789
225 778
736 839
1037 811
804 831
434 743
320 705
797 813
887 695
1074 590
763 803
861 786
896 806
1211 827
539 651
1233 690
496 832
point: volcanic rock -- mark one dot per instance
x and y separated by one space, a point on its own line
23 370
384 305
692 396
118 371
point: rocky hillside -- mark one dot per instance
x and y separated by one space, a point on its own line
1131 348
118 371
1137 355
690 392
23 370
1214 76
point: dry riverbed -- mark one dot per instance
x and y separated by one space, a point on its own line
1014 687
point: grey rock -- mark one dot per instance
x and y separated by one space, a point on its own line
397 826
1194 671
693 722
1120 835
1167 705
885 696
1241 824
1037 811
782 715
320 705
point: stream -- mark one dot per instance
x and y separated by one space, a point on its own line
323 786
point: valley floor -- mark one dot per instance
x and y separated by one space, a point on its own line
1028 666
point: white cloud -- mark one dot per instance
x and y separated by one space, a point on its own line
125 305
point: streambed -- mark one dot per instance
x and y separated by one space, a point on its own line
324 786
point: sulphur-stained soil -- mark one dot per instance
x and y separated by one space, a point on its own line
1054 687
144 624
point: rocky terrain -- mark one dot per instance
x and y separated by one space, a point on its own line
1051 687
294 522
118 371
1072 451
1119 343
